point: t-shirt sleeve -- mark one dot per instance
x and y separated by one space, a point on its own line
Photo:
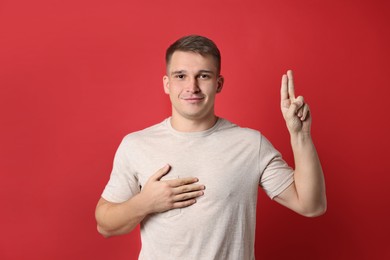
276 175
123 183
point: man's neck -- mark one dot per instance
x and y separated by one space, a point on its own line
192 125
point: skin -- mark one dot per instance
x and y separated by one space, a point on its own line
192 83
306 195
157 196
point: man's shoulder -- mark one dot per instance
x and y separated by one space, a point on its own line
149 131
235 128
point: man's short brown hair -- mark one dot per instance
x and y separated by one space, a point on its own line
197 44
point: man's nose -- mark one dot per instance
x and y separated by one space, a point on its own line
193 85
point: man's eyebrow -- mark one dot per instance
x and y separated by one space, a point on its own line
206 71
178 72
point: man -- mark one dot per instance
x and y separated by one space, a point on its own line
202 203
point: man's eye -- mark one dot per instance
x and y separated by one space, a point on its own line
204 76
180 76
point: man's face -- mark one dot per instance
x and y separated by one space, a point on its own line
192 82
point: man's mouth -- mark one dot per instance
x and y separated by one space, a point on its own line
193 99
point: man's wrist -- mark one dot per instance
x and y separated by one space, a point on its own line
141 205
300 138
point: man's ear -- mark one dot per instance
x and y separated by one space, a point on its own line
166 84
220 82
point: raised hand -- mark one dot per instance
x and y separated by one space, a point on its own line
163 195
295 111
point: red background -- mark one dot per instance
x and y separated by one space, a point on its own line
76 76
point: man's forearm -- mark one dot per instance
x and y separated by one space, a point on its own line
309 178
121 218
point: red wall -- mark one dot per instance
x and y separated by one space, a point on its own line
76 76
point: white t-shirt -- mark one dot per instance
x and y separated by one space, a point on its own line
229 160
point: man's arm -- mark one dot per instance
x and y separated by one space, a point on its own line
307 194
156 196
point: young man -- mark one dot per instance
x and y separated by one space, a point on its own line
202 203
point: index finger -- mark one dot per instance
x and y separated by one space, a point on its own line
181 181
284 88
291 88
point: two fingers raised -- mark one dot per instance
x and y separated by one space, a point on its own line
289 103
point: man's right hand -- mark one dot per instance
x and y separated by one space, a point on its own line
156 196
162 195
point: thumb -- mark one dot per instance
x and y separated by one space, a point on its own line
160 173
294 107
298 103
